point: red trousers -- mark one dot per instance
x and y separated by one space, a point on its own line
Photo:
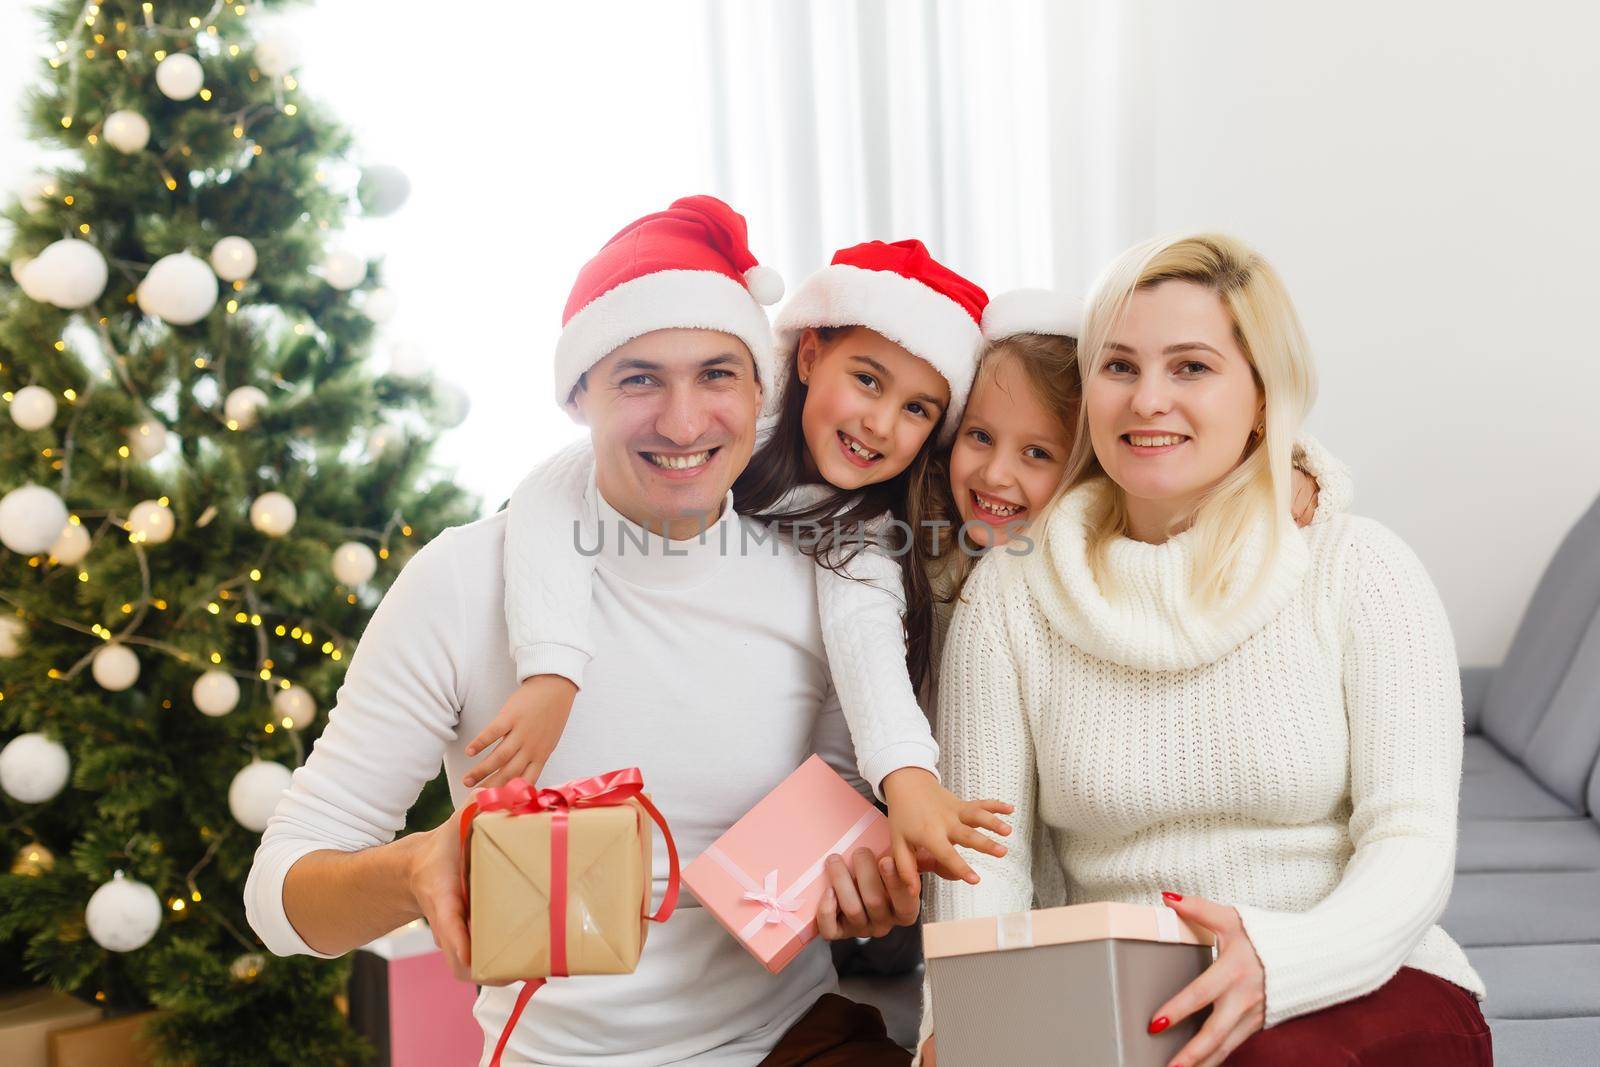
1413 1020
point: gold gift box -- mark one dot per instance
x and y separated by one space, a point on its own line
609 871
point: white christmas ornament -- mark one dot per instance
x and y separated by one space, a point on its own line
33 407
37 191
451 403
354 563
243 405
11 631
233 258
32 284
216 693
31 518
115 667
70 273
33 768
407 359
380 305
147 440
253 794
294 707
277 52
124 914
343 269
179 76
151 522
180 288
73 544
127 131
273 514
383 189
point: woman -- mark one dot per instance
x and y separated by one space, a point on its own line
1201 704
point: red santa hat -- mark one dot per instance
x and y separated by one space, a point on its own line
1043 311
688 267
902 292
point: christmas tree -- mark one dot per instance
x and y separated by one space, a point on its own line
204 490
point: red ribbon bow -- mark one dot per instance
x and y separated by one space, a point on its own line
518 797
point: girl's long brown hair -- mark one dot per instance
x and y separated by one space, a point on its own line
843 515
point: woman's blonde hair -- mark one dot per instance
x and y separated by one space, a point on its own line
1269 333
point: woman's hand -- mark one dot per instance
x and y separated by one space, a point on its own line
929 1058
869 900
1235 987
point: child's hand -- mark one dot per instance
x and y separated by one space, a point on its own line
925 816
527 727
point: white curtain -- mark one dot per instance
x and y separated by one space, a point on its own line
1000 133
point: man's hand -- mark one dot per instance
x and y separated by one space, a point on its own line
433 876
527 728
925 817
869 900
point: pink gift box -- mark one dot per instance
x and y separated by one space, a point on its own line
405 1000
763 878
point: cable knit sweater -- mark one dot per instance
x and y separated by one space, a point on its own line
1297 756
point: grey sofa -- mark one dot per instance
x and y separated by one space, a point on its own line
1526 903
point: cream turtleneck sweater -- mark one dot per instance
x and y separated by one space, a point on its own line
1296 756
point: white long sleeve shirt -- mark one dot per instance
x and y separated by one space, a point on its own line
552 526
1298 758
708 673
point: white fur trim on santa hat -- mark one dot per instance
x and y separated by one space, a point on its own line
1043 311
665 300
924 322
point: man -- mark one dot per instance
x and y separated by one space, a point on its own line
709 675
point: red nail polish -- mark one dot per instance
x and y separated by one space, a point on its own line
1159 1024
1172 896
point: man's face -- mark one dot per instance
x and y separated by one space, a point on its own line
672 414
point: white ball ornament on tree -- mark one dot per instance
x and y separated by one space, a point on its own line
216 693
273 514
123 915
31 283
380 305
343 269
180 288
277 52
243 406
11 631
151 522
294 707
354 563
126 131
33 768
253 794
233 258
71 273
383 189
31 518
179 76
33 407
115 667
73 544
147 440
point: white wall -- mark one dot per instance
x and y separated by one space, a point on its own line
1427 178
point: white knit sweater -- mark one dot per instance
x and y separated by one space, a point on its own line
1298 758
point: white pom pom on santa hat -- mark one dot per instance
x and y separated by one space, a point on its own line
1045 311
765 284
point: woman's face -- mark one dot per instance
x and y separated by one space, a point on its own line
1173 404
1008 457
870 406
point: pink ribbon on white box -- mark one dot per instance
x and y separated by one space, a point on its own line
781 907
